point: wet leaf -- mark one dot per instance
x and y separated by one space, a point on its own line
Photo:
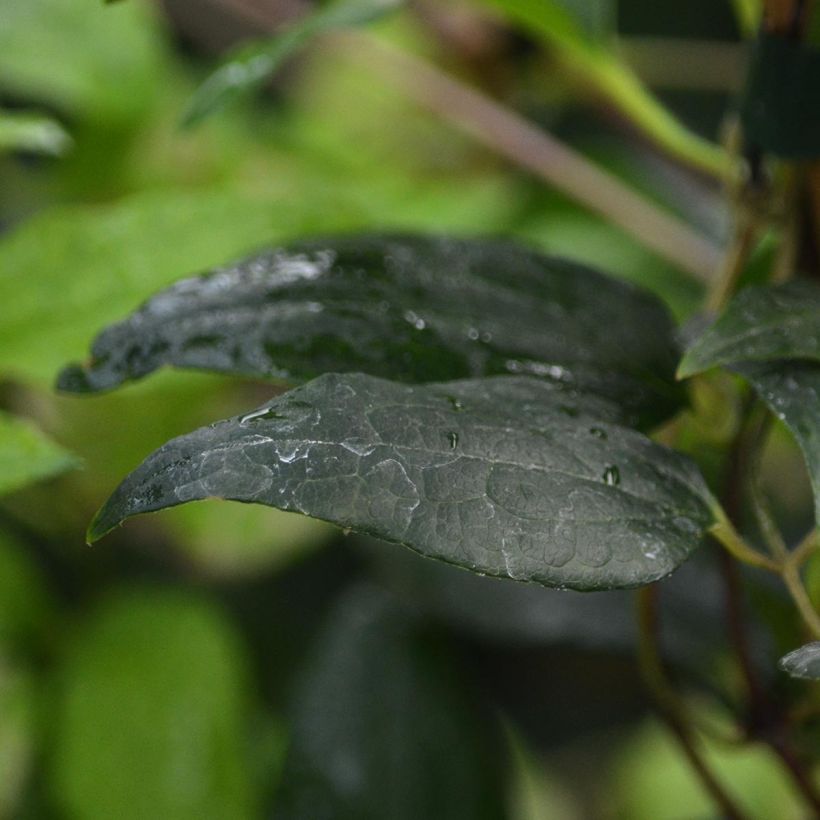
414 309
70 269
27 455
383 728
791 389
511 477
760 324
248 68
151 712
803 662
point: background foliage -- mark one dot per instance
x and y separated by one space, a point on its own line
171 670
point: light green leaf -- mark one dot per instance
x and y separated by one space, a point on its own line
26 455
760 324
150 716
599 66
35 133
82 58
249 67
409 308
382 728
803 662
514 477
65 272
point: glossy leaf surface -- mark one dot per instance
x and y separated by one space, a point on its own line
383 728
27 455
760 324
791 389
407 308
70 269
803 662
508 477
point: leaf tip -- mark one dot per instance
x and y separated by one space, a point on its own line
688 367
102 523
73 379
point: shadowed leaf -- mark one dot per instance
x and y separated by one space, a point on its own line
512 477
760 324
407 308
384 728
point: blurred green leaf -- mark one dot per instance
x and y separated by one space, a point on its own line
803 662
18 729
26 607
237 540
601 68
68 270
514 477
652 780
26 455
151 714
409 308
382 728
760 324
32 132
102 64
248 68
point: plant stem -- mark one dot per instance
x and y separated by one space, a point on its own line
517 139
725 533
652 670
743 241
794 584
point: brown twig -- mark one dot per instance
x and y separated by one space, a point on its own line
512 136
655 678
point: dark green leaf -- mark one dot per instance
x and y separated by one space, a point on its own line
26 608
248 68
780 109
760 324
151 714
19 718
803 662
508 477
792 390
382 728
26 455
413 309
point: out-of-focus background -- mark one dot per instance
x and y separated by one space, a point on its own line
172 670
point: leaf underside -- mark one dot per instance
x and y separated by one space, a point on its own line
412 309
511 476
760 324
803 662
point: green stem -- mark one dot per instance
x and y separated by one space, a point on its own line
726 534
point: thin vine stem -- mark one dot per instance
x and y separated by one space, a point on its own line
668 706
